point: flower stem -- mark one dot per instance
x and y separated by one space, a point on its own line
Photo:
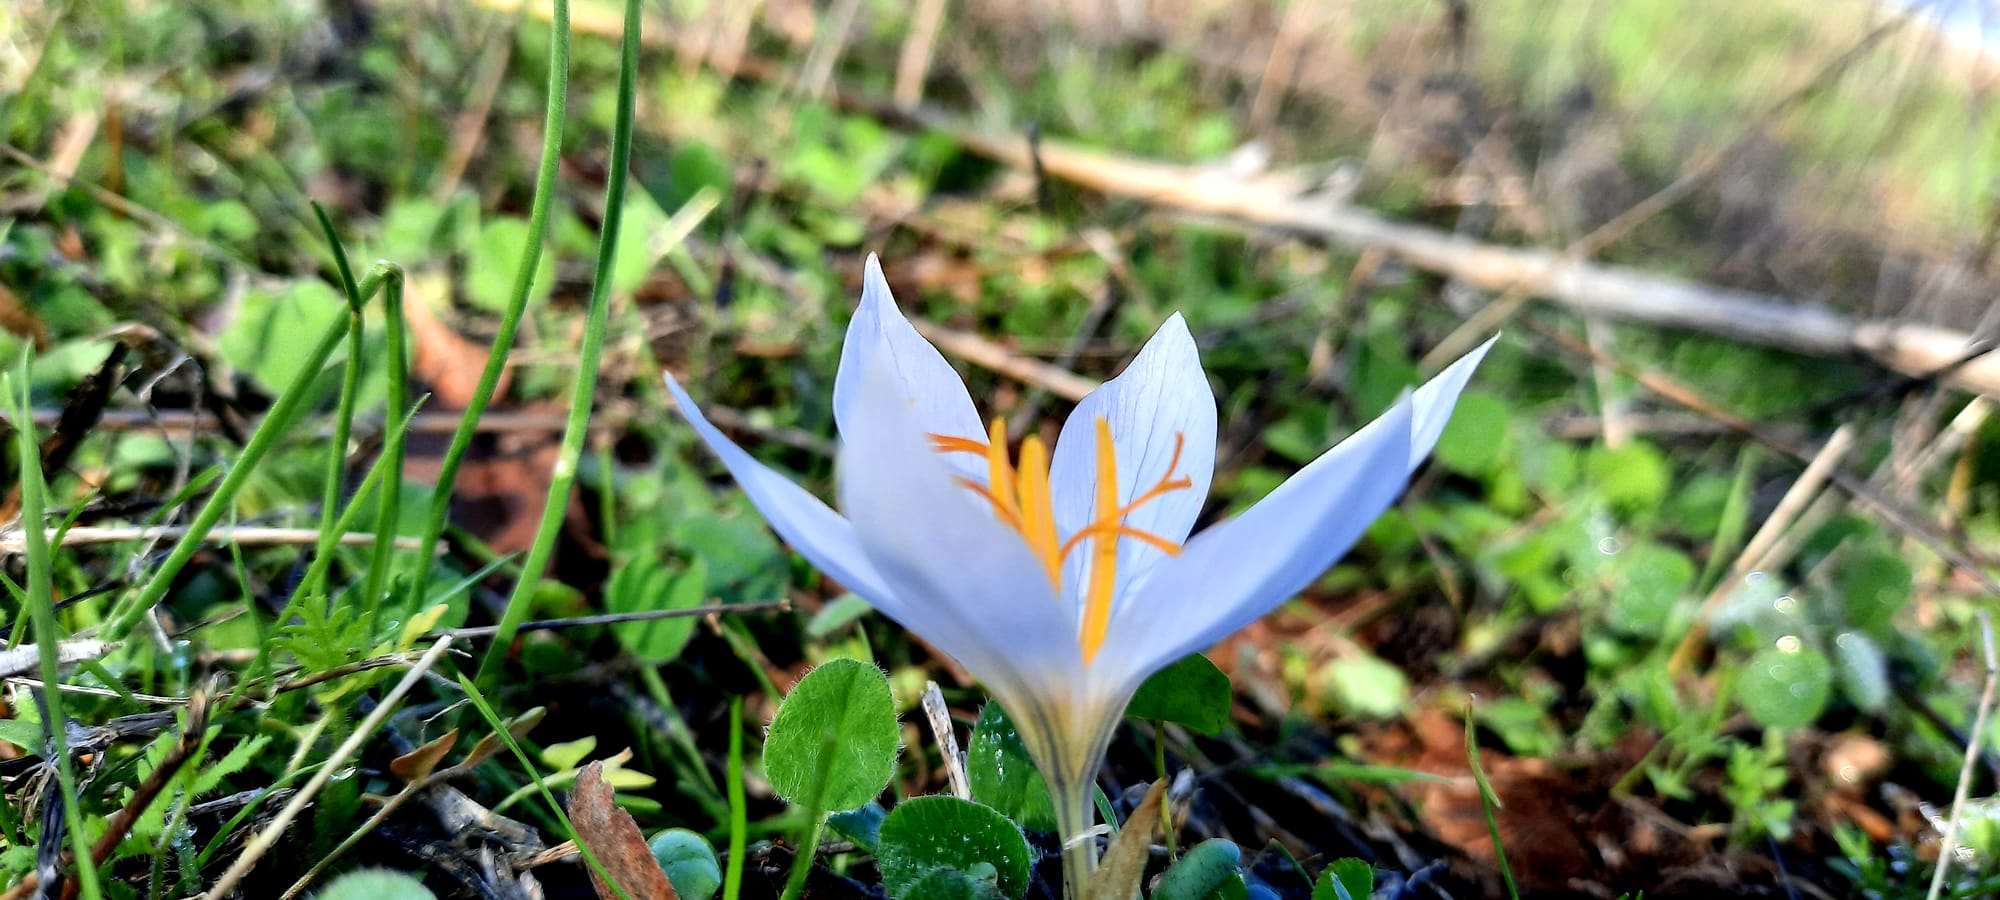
1075 818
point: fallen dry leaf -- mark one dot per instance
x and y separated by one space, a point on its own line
614 839
1125 860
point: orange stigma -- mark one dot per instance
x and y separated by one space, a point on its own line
1019 495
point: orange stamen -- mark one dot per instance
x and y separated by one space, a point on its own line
1103 549
1019 495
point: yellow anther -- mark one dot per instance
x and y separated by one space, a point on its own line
1103 549
1019 495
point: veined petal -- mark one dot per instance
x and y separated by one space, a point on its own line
1237 571
812 528
917 370
1161 399
967 581
1435 400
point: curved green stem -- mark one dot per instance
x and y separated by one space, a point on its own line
517 301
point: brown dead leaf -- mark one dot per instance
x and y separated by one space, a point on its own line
1125 860
440 357
417 764
614 839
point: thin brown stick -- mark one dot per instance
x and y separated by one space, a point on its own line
13 542
1795 500
939 717
913 64
986 354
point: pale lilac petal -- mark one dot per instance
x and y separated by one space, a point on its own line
1235 572
1435 400
812 528
918 372
966 581
1160 395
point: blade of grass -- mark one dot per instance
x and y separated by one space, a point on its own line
499 727
517 302
1488 801
42 611
739 815
390 277
585 389
392 448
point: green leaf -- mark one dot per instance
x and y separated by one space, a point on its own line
734 547
1632 477
376 884
1362 684
1002 775
863 826
569 754
1786 688
689 862
25 735
1345 879
844 610
645 585
272 337
490 283
1875 584
924 834
1472 440
850 700
1190 692
951 884
1649 581
1202 871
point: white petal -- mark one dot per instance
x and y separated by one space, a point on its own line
812 528
1160 396
1435 400
918 371
1235 572
967 581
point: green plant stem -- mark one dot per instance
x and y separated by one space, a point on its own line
739 814
584 392
517 301
277 424
387 510
42 611
1488 802
709 794
795 880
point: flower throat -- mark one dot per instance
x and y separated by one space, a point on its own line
1019 494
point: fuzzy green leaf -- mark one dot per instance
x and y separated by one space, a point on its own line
850 700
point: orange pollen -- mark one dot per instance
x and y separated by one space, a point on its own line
1019 495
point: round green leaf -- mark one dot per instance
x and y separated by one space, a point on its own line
689 862
1345 879
1201 871
376 884
849 702
1003 775
1633 477
645 585
924 834
1875 583
1191 692
1650 580
1471 441
951 884
1362 684
1786 688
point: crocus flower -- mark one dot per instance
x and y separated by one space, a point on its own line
1062 577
